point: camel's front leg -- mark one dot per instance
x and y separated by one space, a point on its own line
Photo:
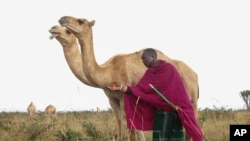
131 135
117 109
141 136
134 134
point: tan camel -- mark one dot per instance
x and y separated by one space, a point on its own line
72 53
126 68
50 110
31 109
98 110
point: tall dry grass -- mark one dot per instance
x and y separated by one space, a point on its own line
92 126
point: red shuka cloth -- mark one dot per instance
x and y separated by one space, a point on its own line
141 105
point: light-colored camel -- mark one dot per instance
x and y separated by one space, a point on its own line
72 55
98 110
126 68
50 110
31 109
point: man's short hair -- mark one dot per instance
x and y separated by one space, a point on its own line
150 51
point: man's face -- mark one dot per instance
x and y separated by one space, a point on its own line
146 59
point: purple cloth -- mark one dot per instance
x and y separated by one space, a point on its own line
141 105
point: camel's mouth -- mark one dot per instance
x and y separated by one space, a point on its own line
54 33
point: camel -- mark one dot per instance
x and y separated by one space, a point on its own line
123 68
50 110
98 110
71 52
31 109
73 56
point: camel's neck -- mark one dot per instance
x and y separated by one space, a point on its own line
94 73
73 57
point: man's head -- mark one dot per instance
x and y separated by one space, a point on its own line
149 57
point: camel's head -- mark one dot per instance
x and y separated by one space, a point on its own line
63 35
78 26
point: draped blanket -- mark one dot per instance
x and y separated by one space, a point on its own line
141 105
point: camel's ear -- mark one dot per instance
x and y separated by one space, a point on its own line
92 23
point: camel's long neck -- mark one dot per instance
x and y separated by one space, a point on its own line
93 72
73 57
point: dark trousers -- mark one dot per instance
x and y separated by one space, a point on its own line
167 127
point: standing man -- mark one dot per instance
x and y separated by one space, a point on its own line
141 101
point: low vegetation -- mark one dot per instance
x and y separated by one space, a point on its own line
92 126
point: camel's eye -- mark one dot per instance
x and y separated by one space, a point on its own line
81 21
68 32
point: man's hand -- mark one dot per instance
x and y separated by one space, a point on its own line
114 86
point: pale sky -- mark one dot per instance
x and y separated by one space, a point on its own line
212 37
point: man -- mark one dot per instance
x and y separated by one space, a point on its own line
141 101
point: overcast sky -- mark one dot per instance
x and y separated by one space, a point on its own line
212 37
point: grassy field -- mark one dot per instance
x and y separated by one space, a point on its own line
92 126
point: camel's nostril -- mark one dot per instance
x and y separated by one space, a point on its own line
61 20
